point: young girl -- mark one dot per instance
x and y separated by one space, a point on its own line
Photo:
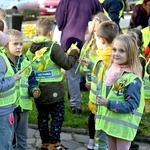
121 100
91 53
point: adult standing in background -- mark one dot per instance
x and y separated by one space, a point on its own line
141 15
72 17
115 9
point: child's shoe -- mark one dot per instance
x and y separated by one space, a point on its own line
57 146
44 146
96 147
90 145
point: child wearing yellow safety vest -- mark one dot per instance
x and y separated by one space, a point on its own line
105 32
8 96
26 87
50 78
121 98
89 50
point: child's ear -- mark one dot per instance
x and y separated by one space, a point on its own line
50 33
103 40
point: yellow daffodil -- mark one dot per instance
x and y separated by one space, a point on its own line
29 30
73 46
42 65
39 53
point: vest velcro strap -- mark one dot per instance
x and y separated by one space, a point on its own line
117 121
7 93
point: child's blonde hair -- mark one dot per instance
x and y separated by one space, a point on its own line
97 19
14 32
44 26
107 30
130 44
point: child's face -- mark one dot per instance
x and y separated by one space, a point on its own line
119 53
15 46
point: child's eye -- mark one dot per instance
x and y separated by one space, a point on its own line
114 50
122 50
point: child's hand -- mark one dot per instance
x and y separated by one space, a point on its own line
101 101
85 61
17 76
36 92
88 85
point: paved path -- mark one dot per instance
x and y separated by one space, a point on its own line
71 140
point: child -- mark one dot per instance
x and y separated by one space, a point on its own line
8 96
120 100
50 78
105 34
26 87
91 53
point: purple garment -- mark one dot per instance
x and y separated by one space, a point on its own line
72 17
139 17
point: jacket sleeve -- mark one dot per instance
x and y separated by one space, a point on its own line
32 82
60 58
5 83
132 96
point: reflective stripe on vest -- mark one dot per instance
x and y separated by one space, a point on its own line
8 97
119 124
117 121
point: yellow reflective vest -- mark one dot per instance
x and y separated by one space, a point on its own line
23 98
146 36
119 125
8 97
45 69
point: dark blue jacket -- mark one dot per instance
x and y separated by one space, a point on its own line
113 8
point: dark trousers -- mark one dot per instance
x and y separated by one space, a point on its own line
55 114
91 125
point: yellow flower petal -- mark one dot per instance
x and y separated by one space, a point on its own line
40 53
29 30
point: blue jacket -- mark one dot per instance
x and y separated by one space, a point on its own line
72 17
